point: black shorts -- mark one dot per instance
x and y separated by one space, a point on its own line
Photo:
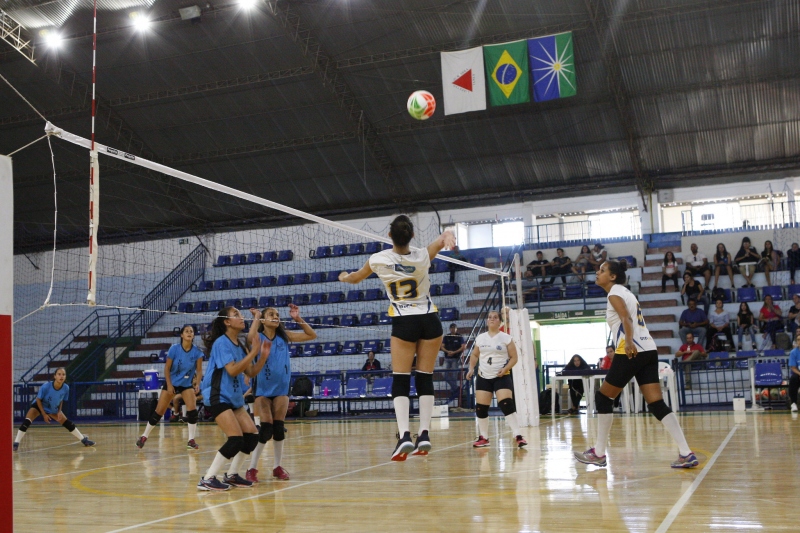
34 406
494 385
178 390
698 269
219 408
643 367
412 328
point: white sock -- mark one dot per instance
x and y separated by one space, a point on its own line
216 465
425 412
192 431
277 446
512 423
401 406
483 427
236 463
674 427
147 430
77 433
257 420
256 455
19 436
604 421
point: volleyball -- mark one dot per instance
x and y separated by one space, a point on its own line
421 105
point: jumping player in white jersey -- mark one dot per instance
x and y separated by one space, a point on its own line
637 356
497 354
416 328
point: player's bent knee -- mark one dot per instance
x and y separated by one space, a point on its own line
191 416
603 403
25 425
424 382
250 442
265 433
482 410
401 385
250 398
231 447
508 406
280 430
154 418
659 409
68 425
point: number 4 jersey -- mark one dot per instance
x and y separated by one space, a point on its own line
406 279
641 335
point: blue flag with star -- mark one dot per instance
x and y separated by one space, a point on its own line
552 66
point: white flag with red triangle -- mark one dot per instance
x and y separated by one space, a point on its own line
463 81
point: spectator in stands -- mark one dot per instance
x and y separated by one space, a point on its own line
697 264
669 271
794 261
720 322
770 259
605 362
794 315
794 374
694 321
746 259
576 385
452 267
537 268
771 322
560 266
722 260
371 363
453 346
745 322
693 289
582 263
691 350
599 256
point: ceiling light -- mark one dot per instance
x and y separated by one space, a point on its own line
51 38
189 13
140 20
247 4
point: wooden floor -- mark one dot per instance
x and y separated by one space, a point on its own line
748 479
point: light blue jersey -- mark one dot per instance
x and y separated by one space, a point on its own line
52 398
184 364
273 380
218 386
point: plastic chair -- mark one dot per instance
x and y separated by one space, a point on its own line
773 290
356 388
351 348
330 388
746 294
382 387
769 376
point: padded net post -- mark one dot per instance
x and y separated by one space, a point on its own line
94 224
525 386
6 321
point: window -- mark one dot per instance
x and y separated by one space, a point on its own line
508 233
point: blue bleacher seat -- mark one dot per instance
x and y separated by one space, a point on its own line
775 291
223 260
573 291
205 286
349 320
727 298
335 297
266 301
339 250
356 388
299 279
283 301
333 275
240 283
480 261
372 247
355 249
330 388
221 284
368 319
248 303
269 281
313 321
718 355
372 294
595 291
628 259
322 251
233 302
743 356
386 246
312 349
293 350
301 299
318 298
746 294
317 277
351 347
290 325
253 258
791 290
184 307
200 307
355 296
551 293
773 353
371 345
435 289
769 376
284 279
238 259
216 305
331 348
269 257
439 266
252 283
448 314
384 318
386 346
285 255
330 321
382 387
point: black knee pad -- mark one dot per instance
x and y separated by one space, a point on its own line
265 433
508 406
231 447
424 382
401 385
603 403
280 430
191 416
69 425
25 425
659 409
154 419
482 410
250 398
250 442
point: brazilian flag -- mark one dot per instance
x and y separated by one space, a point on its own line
507 73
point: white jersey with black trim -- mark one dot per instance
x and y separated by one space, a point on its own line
406 279
494 353
641 335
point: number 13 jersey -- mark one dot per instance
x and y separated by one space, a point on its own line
641 335
406 279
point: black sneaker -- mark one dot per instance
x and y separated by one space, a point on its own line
212 484
235 480
403 448
423 444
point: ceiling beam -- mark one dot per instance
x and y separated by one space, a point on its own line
17 36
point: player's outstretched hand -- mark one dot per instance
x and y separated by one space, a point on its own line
294 312
256 313
448 239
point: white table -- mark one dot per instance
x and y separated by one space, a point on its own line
589 382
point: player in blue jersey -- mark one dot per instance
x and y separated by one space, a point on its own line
223 390
184 360
271 385
48 403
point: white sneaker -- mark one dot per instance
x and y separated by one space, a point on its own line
794 407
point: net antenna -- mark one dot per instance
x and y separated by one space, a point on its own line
94 180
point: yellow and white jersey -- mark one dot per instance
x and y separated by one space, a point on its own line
494 353
406 280
641 335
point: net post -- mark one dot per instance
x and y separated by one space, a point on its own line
6 342
518 281
94 221
526 389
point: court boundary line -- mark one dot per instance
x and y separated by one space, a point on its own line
678 507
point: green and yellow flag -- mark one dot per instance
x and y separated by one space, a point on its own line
507 73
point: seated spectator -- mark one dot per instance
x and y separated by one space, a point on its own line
599 256
576 385
669 271
794 315
771 323
697 264
693 289
453 346
746 324
560 266
723 261
794 374
452 267
605 362
720 322
694 321
690 350
769 261
746 259
793 256
371 363
581 263
537 268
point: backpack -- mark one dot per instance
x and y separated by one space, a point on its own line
545 397
783 341
303 387
717 294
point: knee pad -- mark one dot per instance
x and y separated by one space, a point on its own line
401 385
265 434
191 416
25 425
250 398
280 430
154 419
231 447
424 382
603 403
659 409
482 410
250 442
508 406
69 425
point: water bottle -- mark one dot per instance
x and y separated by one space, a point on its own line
325 391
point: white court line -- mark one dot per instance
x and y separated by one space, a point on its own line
676 509
50 448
